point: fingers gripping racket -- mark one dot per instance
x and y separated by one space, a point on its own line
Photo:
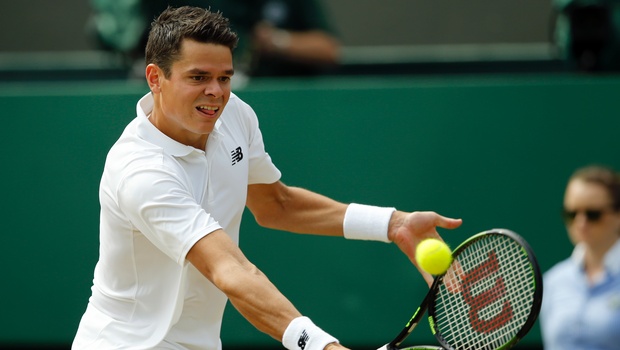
488 299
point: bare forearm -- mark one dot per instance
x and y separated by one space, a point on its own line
260 302
314 47
219 259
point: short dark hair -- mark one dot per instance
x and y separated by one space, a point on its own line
177 24
604 176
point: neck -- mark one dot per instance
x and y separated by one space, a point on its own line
198 141
595 259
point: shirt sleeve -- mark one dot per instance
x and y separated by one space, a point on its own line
262 169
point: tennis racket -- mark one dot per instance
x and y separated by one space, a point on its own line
488 299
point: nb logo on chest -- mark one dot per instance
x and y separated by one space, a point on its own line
236 155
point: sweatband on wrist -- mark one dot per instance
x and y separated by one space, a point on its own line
303 334
367 222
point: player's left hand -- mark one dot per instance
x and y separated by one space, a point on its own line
408 229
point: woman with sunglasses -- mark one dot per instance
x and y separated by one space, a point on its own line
581 304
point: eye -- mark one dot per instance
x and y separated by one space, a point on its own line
197 77
224 79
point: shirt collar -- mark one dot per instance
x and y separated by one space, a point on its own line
149 132
611 261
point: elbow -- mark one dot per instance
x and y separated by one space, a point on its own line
233 287
270 204
329 52
267 221
334 54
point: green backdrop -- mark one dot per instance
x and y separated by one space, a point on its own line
494 150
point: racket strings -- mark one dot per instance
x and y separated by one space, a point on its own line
486 296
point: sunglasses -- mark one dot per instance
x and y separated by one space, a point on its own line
592 215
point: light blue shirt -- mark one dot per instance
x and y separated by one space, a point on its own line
576 315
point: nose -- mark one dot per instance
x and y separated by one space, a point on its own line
213 88
580 219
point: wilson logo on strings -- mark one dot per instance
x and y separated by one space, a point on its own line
482 300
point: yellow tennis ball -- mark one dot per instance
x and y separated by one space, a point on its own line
433 256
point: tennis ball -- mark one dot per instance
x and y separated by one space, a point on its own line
433 256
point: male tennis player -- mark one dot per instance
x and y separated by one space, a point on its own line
172 194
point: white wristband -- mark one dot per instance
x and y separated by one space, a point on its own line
303 334
367 222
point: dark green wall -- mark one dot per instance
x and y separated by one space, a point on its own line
494 150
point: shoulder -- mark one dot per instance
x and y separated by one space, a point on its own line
239 108
134 156
130 148
239 115
561 283
560 271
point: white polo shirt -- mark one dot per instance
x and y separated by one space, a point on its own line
158 198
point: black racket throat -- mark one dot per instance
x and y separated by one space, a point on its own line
488 299
417 316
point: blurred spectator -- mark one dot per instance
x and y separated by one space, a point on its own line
119 26
587 33
581 304
277 37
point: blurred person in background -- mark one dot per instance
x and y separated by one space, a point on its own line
277 37
586 33
581 304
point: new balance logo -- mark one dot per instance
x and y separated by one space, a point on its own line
303 339
236 155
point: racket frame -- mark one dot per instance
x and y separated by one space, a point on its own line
427 303
537 283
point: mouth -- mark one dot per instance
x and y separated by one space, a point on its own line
208 110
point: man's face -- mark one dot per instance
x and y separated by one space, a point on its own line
192 98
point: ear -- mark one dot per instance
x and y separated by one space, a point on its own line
154 75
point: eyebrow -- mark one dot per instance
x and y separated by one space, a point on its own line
197 71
